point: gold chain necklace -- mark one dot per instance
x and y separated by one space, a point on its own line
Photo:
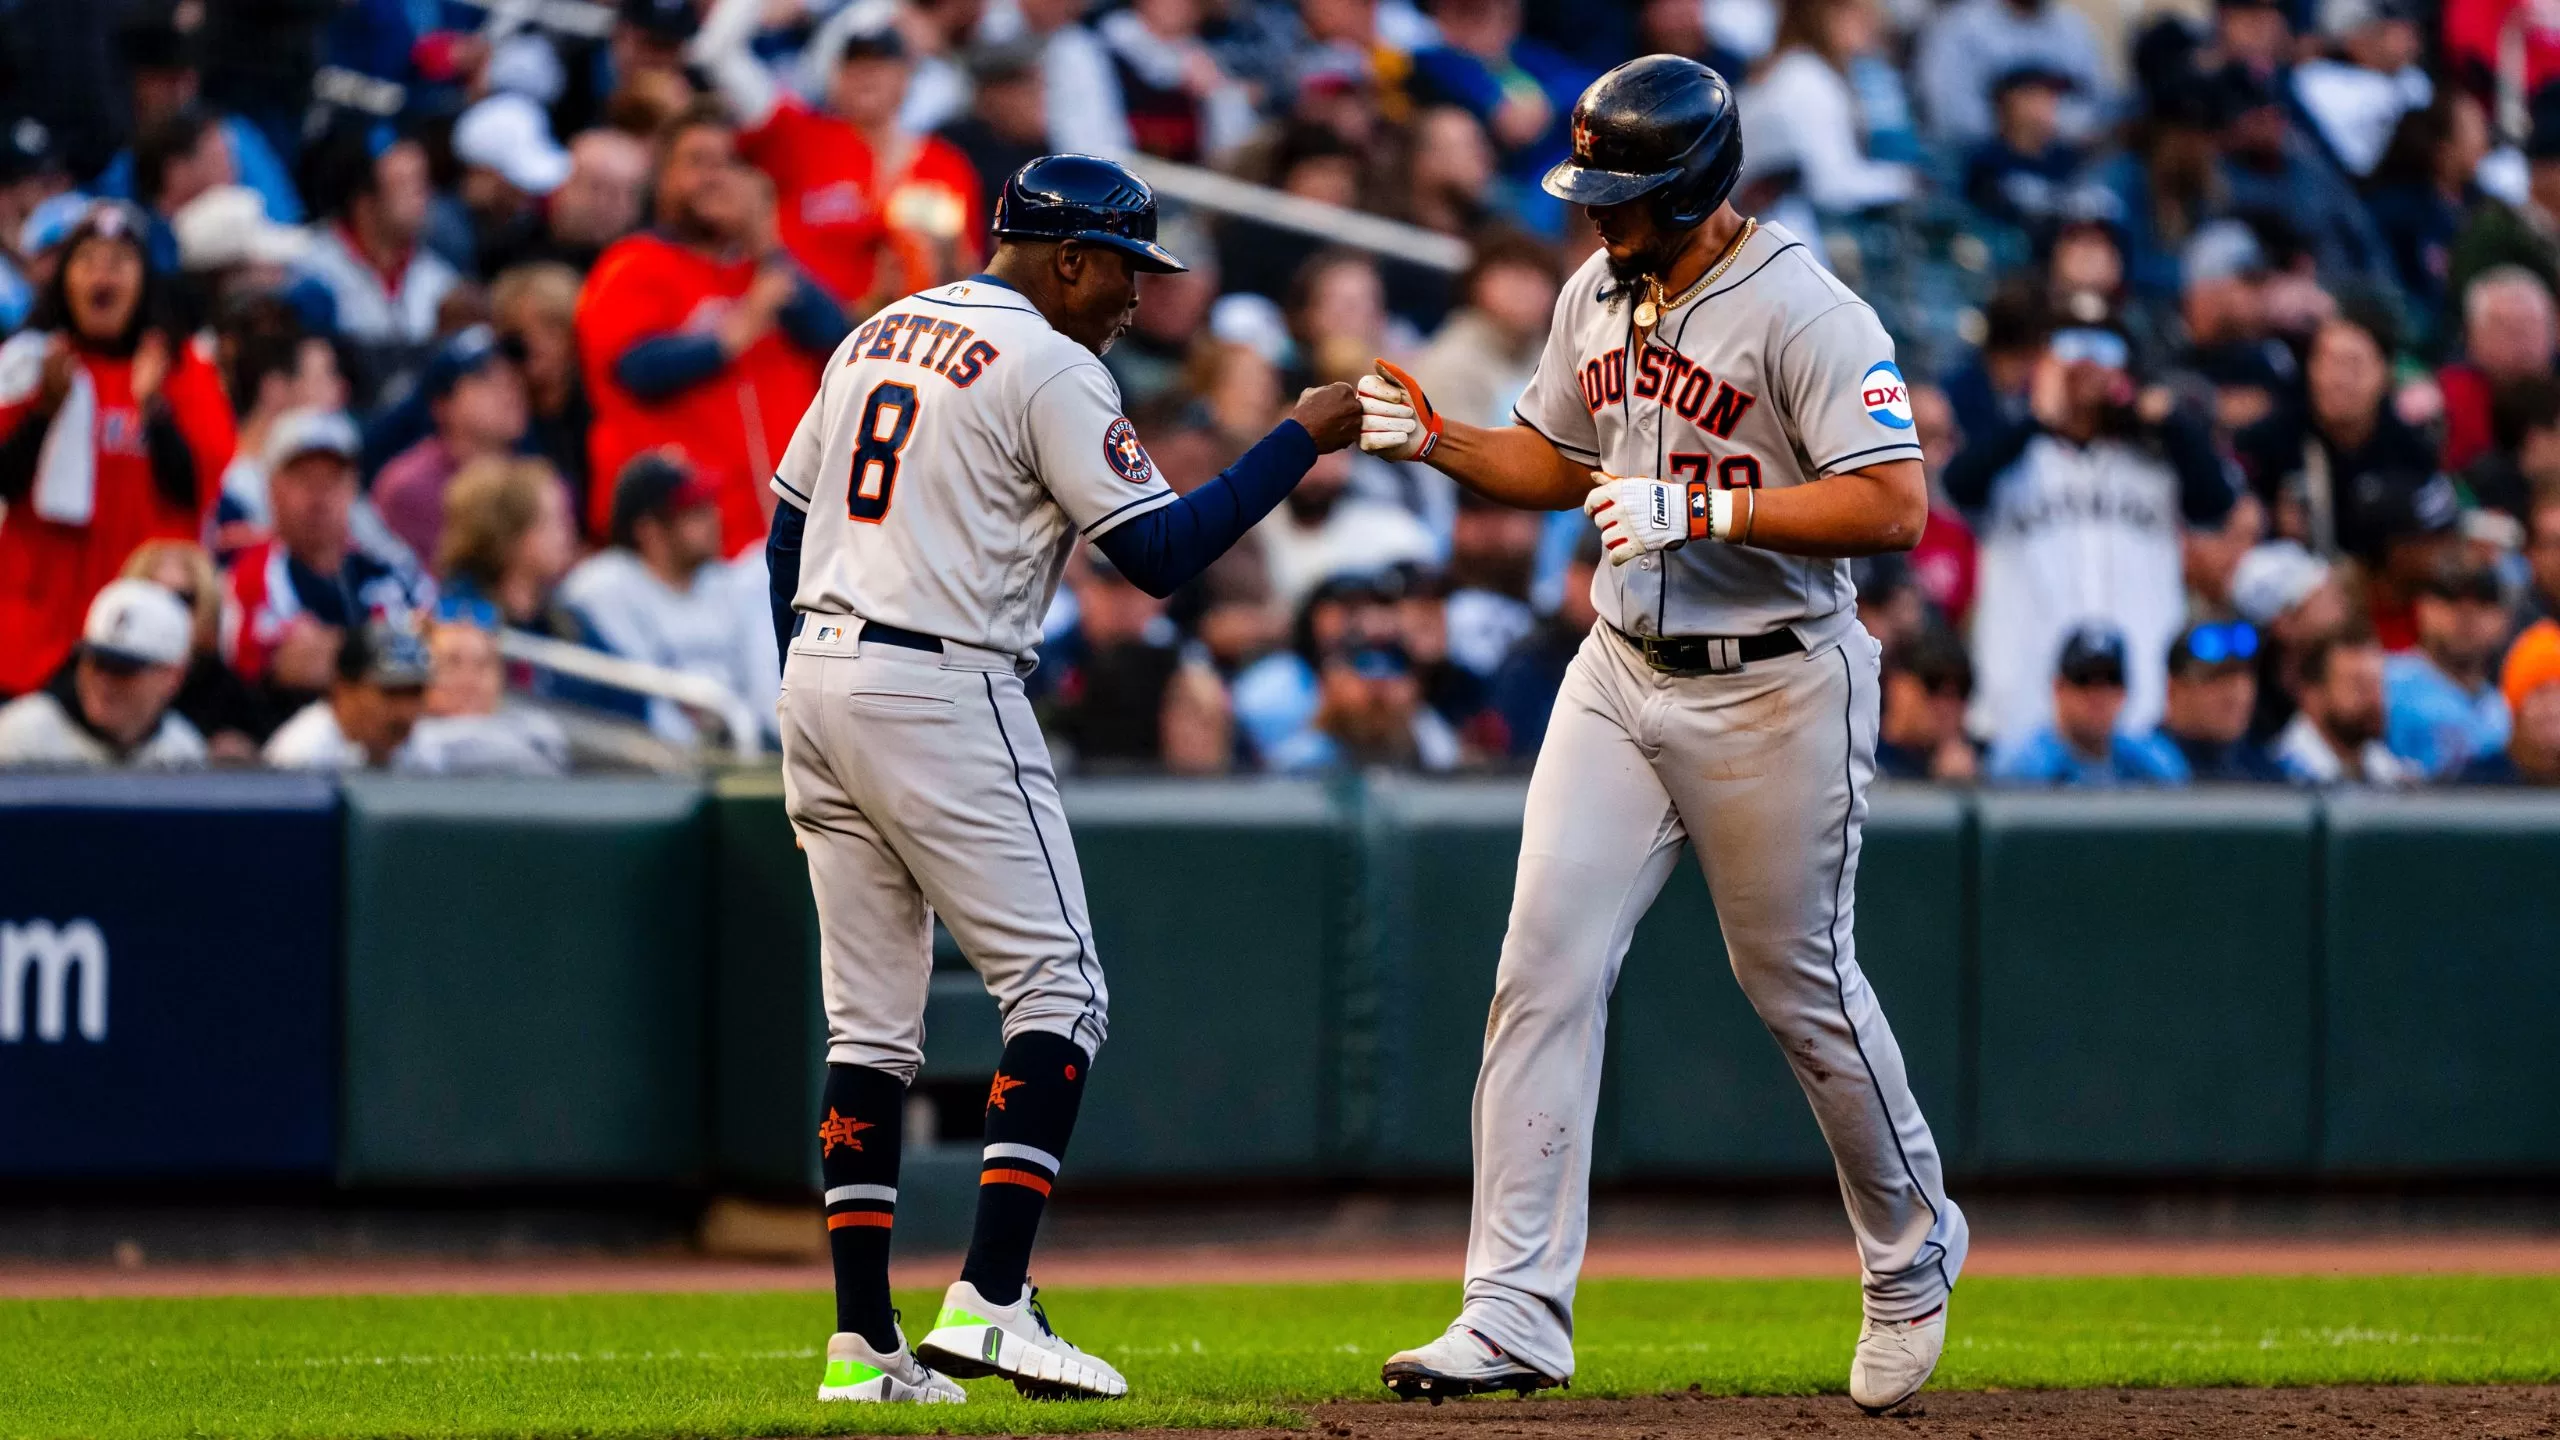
1652 307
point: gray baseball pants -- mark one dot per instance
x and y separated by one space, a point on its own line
1765 771
919 785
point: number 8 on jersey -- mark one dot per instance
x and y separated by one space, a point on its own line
888 418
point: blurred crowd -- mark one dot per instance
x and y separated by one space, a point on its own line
352 349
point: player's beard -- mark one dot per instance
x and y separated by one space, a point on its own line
1119 328
1630 269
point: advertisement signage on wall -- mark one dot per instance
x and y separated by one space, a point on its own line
168 975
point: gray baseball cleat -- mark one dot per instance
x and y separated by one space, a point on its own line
1460 1362
1894 1359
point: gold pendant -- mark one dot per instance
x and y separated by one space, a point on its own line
1646 314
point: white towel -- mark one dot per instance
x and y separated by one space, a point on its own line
66 491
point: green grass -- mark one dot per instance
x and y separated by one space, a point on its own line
729 1364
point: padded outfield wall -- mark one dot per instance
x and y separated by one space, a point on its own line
405 983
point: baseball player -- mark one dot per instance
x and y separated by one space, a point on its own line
962 440
1730 417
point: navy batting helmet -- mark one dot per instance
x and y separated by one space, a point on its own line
1661 126
1087 198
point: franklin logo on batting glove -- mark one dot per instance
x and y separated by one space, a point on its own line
1639 516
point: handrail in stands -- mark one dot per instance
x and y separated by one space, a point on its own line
694 692
1211 190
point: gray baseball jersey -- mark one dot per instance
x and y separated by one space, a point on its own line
957 447
1777 375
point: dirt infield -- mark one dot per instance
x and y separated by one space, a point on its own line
2364 1413
1723 1257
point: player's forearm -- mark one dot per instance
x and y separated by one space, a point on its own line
1856 512
782 570
1512 464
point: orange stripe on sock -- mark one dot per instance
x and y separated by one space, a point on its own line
1031 1179
859 1217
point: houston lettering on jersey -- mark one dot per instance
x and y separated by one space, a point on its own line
1671 380
945 347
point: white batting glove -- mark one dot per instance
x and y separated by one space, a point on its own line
1640 515
1396 418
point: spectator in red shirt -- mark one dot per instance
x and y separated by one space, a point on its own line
699 335
476 392
2508 335
111 433
872 211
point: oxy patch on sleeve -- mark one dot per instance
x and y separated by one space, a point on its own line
1885 395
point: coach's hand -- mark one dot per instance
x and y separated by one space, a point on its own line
1640 515
1331 414
1397 421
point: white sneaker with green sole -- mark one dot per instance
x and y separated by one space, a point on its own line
855 1371
972 1338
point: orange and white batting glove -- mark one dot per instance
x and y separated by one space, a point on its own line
1638 515
1396 418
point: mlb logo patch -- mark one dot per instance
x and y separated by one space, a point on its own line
830 632
1885 395
1128 458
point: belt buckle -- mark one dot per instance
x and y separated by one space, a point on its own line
1723 655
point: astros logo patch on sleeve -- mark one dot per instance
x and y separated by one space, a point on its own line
1887 398
1129 459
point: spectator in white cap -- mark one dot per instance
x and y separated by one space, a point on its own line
2294 598
272 366
225 237
111 707
511 165
292 598
378 688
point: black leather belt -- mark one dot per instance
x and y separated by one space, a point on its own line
1709 654
875 632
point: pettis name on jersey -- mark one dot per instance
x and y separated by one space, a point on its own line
948 348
